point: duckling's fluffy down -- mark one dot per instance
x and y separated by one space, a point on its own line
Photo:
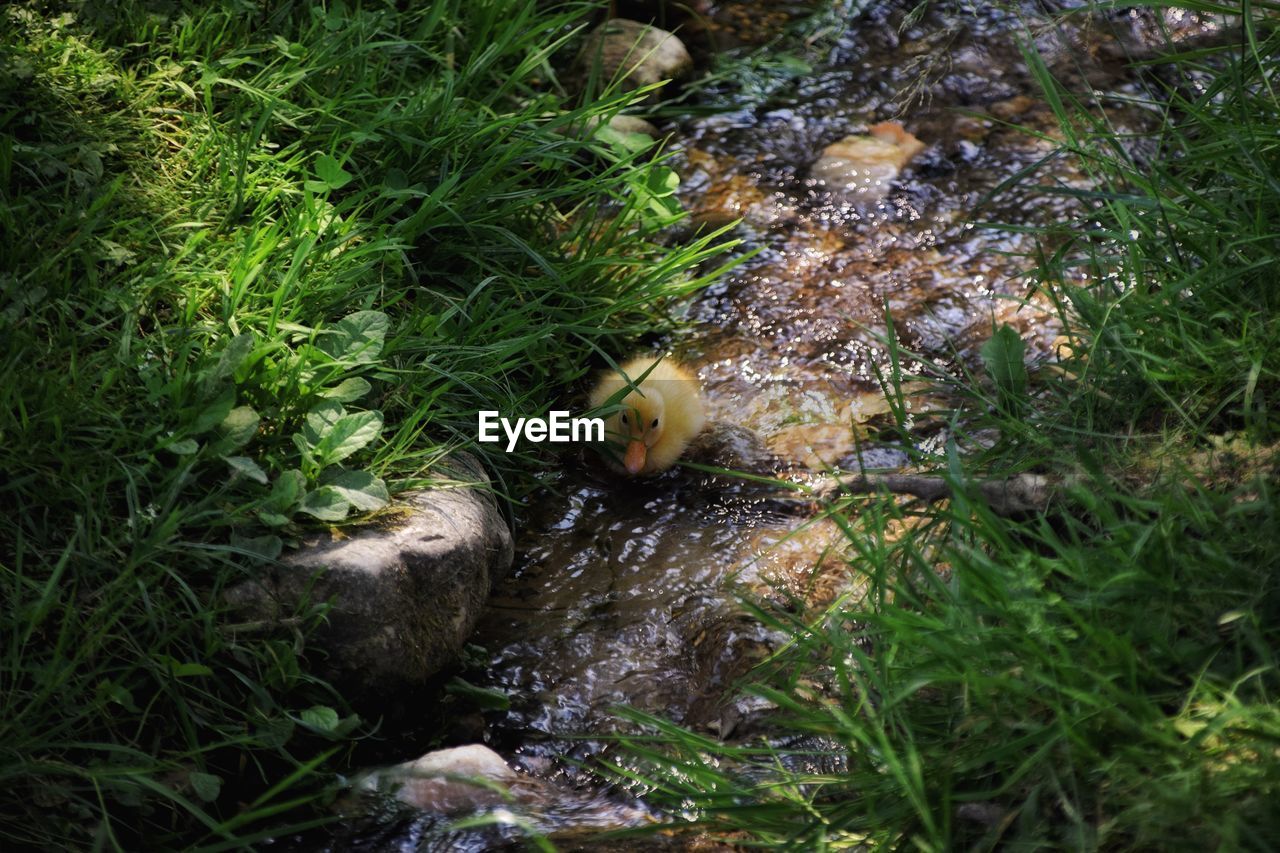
670 388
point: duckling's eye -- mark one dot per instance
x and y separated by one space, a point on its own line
654 425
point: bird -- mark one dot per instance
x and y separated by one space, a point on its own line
655 420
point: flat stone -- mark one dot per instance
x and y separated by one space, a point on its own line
405 591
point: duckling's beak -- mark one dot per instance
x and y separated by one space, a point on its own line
634 460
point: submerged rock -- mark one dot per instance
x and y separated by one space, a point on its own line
727 445
634 53
864 165
405 592
814 446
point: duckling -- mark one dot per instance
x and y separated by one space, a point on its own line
658 419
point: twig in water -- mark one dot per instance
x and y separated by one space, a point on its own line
1025 493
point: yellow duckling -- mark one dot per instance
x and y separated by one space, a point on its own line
658 419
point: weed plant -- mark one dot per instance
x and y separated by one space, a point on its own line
1102 675
260 264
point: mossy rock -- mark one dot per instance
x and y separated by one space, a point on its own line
405 592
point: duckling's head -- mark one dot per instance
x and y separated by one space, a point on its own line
638 424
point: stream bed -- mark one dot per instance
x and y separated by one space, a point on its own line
625 592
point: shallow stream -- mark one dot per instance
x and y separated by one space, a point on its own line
624 591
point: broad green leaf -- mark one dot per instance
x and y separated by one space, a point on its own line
181 669
292 50
188 669
205 785
246 467
321 420
267 547
348 724
191 670
237 429
362 490
321 718
324 720
229 360
272 519
1002 356
348 390
395 178
348 435
306 451
114 253
213 412
662 181
326 504
332 175
287 490
357 338
183 447
110 691
657 202
336 18
624 141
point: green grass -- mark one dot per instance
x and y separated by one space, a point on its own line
259 266
1103 675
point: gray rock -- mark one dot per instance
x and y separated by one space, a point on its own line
405 591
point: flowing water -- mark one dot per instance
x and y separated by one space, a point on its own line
624 591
